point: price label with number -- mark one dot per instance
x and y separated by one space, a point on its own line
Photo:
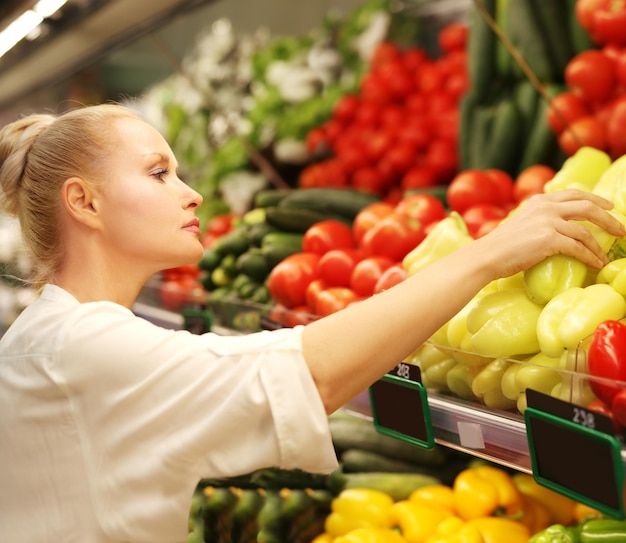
573 451
400 406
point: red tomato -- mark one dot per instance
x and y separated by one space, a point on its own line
416 132
221 224
531 181
367 273
390 277
393 237
383 53
479 214
369 179
316 142
443 157
591 76
379 142
469 188
400 157
396 78
413 58
422 207
335 267
609 22
615 133
587 131
326 235
429 78
299 315
503 184
346 107
288 280
585 11
368 217
620 68
453 37
333 299
565 108
419 177
312 290
176 292
487 227
374 91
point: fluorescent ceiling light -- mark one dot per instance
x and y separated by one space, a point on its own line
45 8
26 23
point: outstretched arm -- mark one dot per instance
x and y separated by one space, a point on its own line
354 347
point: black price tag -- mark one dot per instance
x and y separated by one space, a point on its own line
197 320
400 406
572 452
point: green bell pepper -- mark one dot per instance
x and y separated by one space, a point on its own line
557 533
487 385
539 372
603 530
574 314
612 184
553 275
434 364
614 274
503 324
583 170
447 236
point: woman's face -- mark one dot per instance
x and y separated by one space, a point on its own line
148 213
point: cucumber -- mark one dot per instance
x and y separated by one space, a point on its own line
217 513
480 136
467 115
550 15
277 246
269 197
298 220
504 60
359 460
481 51
244 524
527 100
505 138
397 485
527 37
257 232
345 202
235 242
356 433
542 143
210 260
253 264
578 35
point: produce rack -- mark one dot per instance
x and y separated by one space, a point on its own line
494 435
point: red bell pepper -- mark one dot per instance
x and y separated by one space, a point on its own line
607 360
618 408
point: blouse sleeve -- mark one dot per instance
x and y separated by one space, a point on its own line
156 403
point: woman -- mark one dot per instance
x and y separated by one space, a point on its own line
107 422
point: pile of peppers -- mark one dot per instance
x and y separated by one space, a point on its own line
594 530
485 504
522 331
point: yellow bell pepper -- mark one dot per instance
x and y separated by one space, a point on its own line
484 490
358 508
482 530
583 170
574 314
614 274
417 520
535 516
447 236
370 535
559 507
323 538
459 380
503 324
441 496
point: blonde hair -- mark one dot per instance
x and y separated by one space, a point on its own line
37 154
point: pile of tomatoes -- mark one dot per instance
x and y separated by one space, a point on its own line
400 131
592 112
341 264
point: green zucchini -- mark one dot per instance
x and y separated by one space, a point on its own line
298 220
550 15
356 433
362 461
345 202
269 197
397 485
244 524
481 51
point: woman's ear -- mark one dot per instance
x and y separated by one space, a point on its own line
78 200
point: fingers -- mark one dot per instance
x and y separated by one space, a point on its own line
579 242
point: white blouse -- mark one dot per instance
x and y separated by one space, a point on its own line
107 422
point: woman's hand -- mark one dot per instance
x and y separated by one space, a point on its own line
545 225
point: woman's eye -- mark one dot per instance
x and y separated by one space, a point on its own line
160 174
